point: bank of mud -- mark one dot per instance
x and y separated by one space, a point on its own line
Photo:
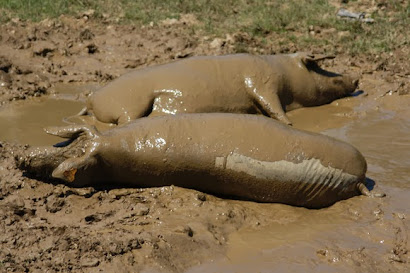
50 226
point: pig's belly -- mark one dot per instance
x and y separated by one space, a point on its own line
203 103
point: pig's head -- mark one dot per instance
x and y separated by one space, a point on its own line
328 86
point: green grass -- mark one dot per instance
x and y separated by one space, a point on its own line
259 18
36 10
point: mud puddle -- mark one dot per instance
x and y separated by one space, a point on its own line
23 121
333 115
384 138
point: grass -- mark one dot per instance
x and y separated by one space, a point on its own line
259 18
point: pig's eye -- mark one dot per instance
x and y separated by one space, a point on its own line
337 81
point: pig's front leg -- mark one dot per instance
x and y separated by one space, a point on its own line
267 99
68 168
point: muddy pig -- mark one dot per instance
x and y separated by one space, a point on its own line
254 158
239 83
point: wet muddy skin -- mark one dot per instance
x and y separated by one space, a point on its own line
271 162
239 83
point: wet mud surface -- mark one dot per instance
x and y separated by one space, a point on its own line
46 71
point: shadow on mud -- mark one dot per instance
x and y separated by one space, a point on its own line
357 93
369 183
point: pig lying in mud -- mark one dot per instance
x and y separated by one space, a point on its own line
243 156
239 83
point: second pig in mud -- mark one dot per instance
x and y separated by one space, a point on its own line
241 83
244 156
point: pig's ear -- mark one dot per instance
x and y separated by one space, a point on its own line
308 57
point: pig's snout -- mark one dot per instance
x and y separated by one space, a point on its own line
346 85
354 83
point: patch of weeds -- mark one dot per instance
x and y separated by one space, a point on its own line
258 18
293 38
36 10
3 16
241 48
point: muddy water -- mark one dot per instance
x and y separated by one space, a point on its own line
352 234
23 121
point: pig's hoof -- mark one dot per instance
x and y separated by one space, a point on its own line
378 194
365 191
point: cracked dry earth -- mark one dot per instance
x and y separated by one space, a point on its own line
47 226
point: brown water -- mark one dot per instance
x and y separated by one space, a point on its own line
23 121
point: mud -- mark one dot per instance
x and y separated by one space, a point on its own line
46 225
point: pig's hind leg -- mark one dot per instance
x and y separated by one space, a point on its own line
142 109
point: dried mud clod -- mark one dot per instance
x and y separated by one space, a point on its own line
19 82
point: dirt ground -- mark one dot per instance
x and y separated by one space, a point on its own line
50 227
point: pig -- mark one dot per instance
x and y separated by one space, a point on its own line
242 156
240 83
